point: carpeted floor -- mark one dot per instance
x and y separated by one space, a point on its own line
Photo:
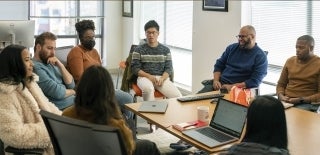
160 137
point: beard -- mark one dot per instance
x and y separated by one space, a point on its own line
246 44
43 57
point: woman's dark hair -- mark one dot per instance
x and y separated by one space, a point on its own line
96 94
13 70
83 26
266 122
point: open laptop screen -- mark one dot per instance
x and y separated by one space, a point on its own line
229 117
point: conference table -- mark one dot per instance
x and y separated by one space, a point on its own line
303 126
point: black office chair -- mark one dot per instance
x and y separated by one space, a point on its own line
1 147
108 140
71 136
62 53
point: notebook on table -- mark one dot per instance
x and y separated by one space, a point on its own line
153 106
287 105
226 125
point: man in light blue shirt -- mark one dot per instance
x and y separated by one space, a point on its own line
54 79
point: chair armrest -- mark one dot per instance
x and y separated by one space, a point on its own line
17 151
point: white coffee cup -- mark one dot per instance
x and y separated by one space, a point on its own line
203 113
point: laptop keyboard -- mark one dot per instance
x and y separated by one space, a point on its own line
199 97
214 134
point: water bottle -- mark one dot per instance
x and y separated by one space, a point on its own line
318 111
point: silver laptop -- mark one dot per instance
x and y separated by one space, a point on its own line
226 125
153 106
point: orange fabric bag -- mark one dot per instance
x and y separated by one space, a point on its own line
241 96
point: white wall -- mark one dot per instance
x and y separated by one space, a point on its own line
127 35
212 32
130 30
113 34
121 32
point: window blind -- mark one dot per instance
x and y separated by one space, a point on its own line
280 23
174 19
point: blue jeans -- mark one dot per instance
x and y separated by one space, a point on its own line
124 98
308 107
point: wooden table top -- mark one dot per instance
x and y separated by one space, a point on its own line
303 126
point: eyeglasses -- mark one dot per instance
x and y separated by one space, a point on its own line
152 32
242 36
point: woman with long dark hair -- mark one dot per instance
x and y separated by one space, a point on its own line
95 102
21 100
266 130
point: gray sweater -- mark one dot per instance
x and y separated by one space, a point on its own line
152 60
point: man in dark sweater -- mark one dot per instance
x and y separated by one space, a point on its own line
243 64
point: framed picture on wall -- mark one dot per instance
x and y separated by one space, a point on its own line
215 5
127 8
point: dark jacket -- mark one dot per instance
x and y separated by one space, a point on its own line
128 77
247 148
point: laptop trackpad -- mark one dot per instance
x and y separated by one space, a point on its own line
201 138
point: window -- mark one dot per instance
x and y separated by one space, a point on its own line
279 24
175 21
59 17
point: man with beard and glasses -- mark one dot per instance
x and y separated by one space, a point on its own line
54 79
243 64
85 55
299 82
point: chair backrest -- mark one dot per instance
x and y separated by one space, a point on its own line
62 53
108 140
72 136
1 147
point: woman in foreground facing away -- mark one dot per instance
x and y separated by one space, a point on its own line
95 102
266 130
20 102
